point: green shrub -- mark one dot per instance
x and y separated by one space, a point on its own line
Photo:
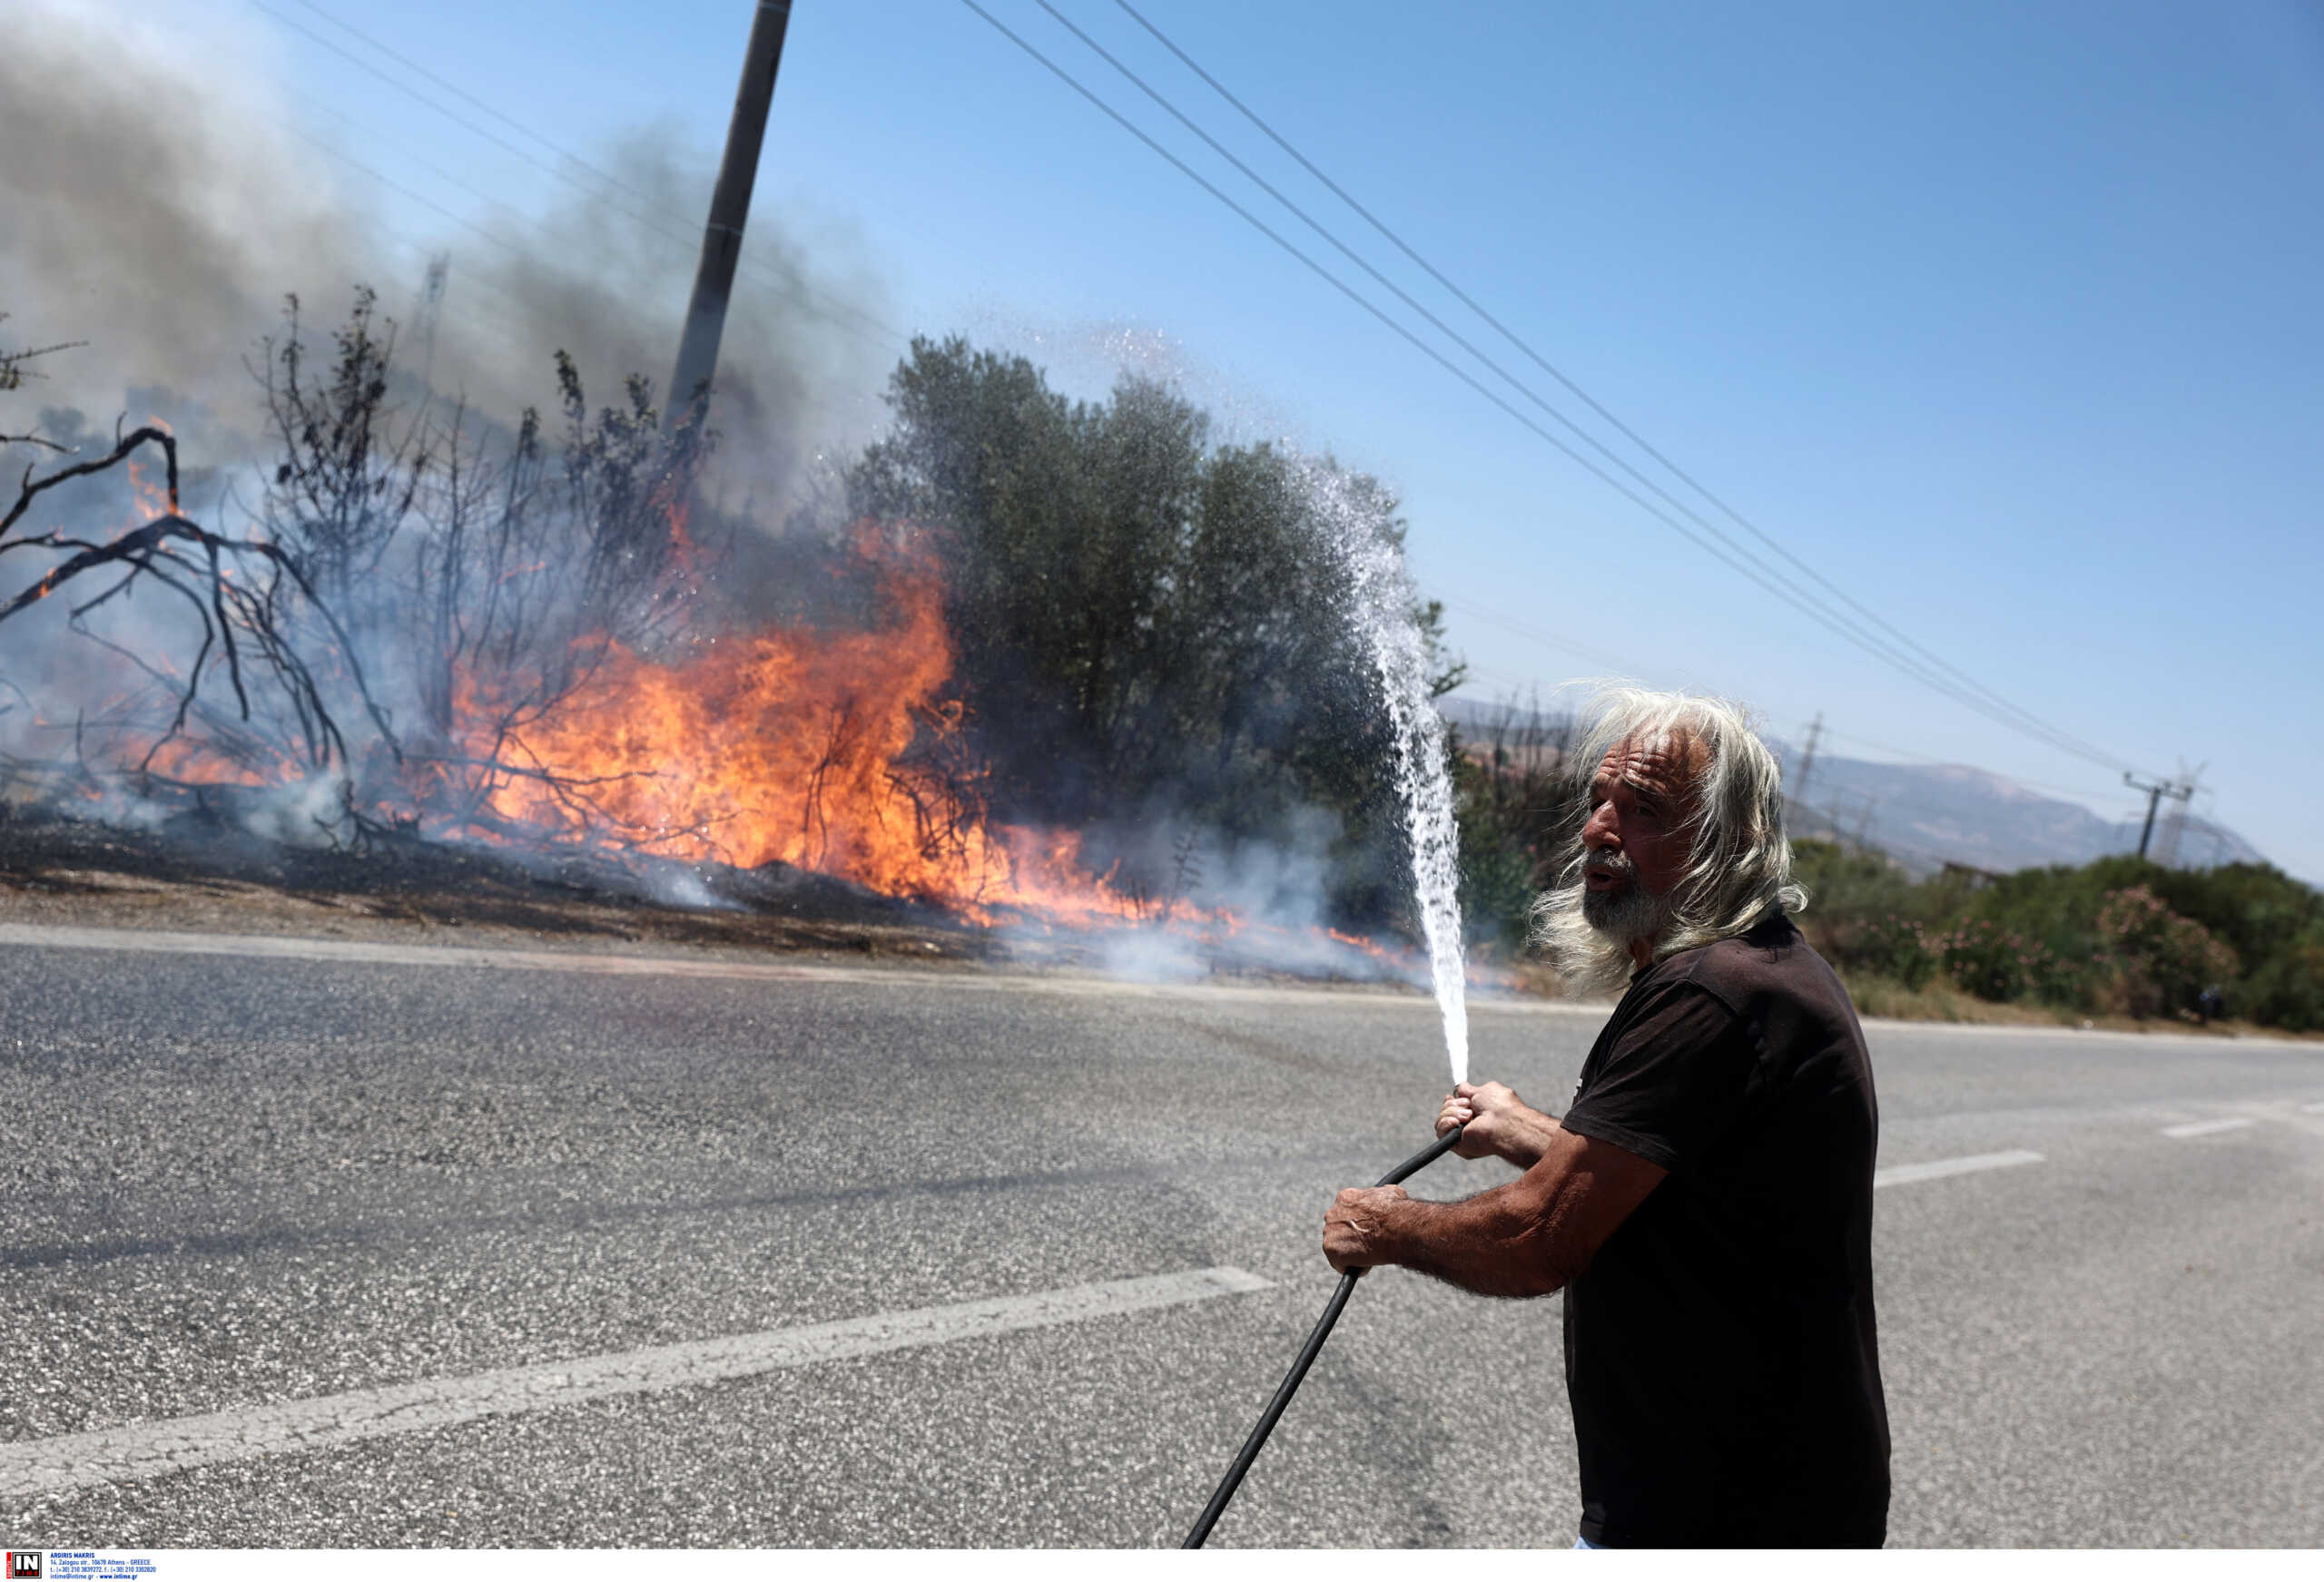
1898 949
2288 988
2160 961
1997 963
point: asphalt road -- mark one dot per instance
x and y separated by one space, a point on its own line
300 1252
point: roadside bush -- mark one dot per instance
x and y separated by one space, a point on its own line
2160 961
1996 963
1901 948
2288 989
1497 870
1893 947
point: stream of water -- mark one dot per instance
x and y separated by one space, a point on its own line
1380 609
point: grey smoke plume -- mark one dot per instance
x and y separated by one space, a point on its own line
160 205
152 210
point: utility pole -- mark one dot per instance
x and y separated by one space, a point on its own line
1808 761
730 207
2153 795
2180 792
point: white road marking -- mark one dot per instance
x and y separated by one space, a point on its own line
2205 1128
1934 1169
1384 996
154 1450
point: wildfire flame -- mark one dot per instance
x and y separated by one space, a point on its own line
795 745
834 749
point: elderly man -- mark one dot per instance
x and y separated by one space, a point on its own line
1705 1203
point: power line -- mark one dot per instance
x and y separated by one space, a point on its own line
416 69
2051 734
2047 731
2078 792
1536 634
1732 556
1525 629
838 315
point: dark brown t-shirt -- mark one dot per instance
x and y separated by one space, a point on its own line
1719 1349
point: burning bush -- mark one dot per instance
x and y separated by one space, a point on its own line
404 600
1153 633
1062 658
240 602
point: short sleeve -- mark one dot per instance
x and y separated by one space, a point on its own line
1673 1083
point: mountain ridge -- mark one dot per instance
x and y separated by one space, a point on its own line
1925 815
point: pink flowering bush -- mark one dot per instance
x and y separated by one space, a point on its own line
1997 963
2159 960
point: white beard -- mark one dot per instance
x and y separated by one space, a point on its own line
1629 915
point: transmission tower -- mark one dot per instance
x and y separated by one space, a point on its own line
431 308
2174 823
1806 762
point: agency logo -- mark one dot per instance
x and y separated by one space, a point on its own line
23 1565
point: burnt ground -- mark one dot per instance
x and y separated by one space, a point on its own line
199 874
197 871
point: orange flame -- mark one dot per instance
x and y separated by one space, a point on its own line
794 746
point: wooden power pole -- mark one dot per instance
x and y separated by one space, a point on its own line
730 207
2180 790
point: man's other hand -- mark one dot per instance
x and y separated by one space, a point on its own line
1355 1230
1498 1123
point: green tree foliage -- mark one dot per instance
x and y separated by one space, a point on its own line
2119 934
1151 630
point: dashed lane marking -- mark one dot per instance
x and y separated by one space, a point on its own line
2205 1128
154 1450
1899 1175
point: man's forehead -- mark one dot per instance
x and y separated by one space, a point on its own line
1668 759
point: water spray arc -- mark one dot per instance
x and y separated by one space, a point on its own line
1381 610
1304 1361
1382 600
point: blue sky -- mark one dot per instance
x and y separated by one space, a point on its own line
2003 318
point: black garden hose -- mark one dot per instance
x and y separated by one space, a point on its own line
1290 1386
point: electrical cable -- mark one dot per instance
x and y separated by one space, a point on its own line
1508 378
839 316
1734 558
1964 690
416 69
2049 732
1512 624
2078 793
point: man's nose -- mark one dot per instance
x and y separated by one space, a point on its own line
1600 831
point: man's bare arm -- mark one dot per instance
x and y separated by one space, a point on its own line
1528 1238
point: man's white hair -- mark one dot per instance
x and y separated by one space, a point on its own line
1741 874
